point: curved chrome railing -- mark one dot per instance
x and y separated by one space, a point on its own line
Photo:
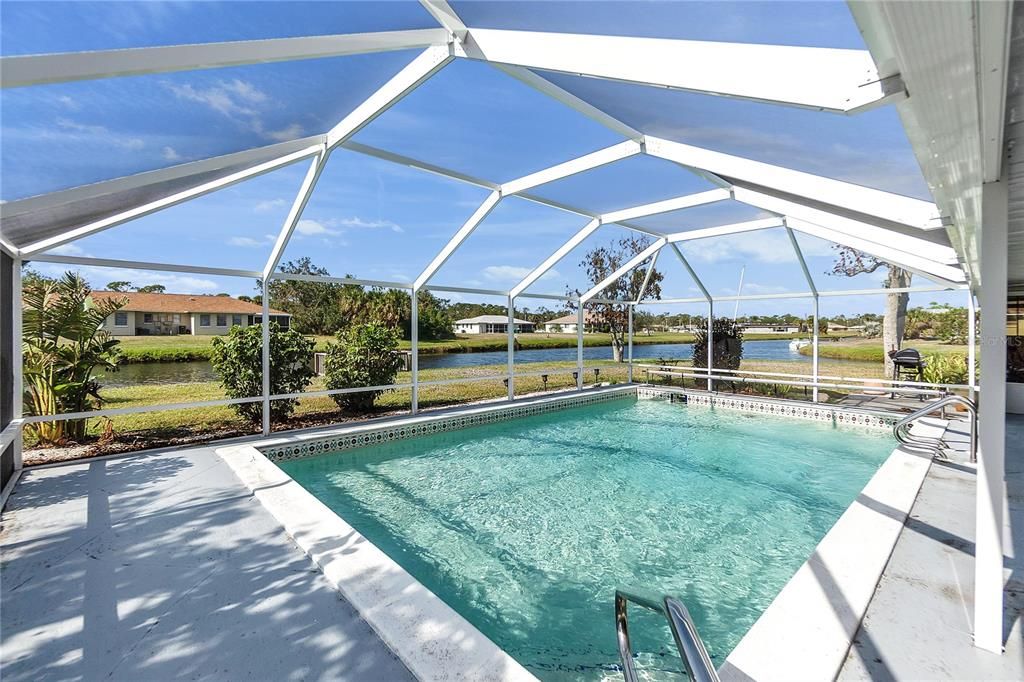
901 430
691 649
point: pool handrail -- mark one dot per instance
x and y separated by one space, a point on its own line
901 429
691 648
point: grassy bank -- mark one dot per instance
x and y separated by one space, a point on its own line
871 350
137 349
186 426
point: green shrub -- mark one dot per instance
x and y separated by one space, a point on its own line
363 356
238 359
728 345
946 369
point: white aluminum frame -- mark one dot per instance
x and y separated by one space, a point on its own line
895 229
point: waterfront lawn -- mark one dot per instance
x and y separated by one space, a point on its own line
186 348
871 350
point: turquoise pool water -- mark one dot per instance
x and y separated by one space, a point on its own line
526 527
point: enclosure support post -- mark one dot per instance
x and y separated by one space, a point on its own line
511 348
629 356
414 339
972 341
711 341
16 359
991 492
579 346
814 349
266 355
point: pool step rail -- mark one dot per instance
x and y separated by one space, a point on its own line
696 659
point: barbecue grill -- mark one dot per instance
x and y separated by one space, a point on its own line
907 365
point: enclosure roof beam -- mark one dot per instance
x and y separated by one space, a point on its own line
623 269
693 273
168 201
410 162
19 71
602 157
288 276
558 255
668 205
944 274
906 239
724 230
800 258
144 265
827 79
429 62
457 239
647 277
811 294
782 182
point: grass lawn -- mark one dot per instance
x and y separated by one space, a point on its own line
186 348
871 350
186 426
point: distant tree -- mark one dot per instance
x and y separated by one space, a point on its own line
224 295
119 285
602 261
31 277
851 262
247 299
315 307
152 289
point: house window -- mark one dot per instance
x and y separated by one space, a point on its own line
120 319
147 317
236 320
222 320
204 320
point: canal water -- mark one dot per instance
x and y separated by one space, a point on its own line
189 372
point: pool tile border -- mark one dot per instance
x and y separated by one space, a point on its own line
363 435
772 406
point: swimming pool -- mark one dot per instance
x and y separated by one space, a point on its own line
527 526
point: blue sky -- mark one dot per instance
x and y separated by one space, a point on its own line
377 220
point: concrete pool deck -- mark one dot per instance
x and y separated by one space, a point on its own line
162 565
919 623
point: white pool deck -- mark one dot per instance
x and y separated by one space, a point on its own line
163 566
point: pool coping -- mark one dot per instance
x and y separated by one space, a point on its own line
806 631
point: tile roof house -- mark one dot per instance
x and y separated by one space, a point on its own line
566 324
151 314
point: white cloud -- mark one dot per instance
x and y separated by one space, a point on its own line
68 250
69 103
310 228
369 224
238 100
98 278
247 242
170 154
291 132
269 205
98 131
512 273
765 246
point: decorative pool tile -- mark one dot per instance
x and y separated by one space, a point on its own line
361 436
826 413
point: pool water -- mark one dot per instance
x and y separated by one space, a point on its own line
527 527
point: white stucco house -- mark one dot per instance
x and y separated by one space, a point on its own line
149 314
566 324
490 324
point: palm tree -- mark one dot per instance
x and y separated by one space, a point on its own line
63 347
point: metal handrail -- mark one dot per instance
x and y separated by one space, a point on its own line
901 428
691 648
